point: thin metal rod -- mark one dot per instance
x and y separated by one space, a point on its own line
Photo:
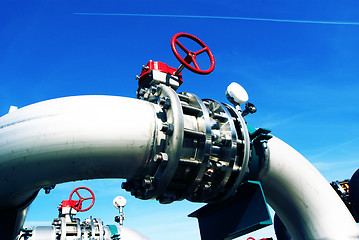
180 68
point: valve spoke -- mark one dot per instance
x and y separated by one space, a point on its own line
78 194
181 46
201 51
195 63
87 198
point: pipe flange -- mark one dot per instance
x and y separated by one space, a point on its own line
223 155
201 152
162 166
243 148
171 105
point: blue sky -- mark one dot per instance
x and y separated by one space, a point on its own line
301 72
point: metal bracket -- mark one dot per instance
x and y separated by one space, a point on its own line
246 212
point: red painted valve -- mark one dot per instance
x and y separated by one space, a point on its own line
191 56
77 204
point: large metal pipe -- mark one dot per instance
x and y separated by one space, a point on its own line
303 198
73 138
169 146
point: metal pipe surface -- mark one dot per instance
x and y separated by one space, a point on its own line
89 137
73 138
302 197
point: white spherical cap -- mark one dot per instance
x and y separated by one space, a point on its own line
237 93
119 201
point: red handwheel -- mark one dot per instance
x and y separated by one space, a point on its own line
77 204
191 56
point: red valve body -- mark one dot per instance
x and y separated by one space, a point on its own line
67 203
159 66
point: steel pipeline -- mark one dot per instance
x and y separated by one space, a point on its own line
70 139
90 137
303 198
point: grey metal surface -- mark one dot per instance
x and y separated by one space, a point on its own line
90 230
71 139
202 150
302 197
43 233
169 146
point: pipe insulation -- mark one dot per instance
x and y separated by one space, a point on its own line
73 138
302 197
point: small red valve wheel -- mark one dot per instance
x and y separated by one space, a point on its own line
191 56
77 204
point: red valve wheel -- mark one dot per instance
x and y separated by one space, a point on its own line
77 204
191 56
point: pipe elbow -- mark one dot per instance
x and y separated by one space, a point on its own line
304 200
73 138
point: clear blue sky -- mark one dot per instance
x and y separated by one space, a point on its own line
301 72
